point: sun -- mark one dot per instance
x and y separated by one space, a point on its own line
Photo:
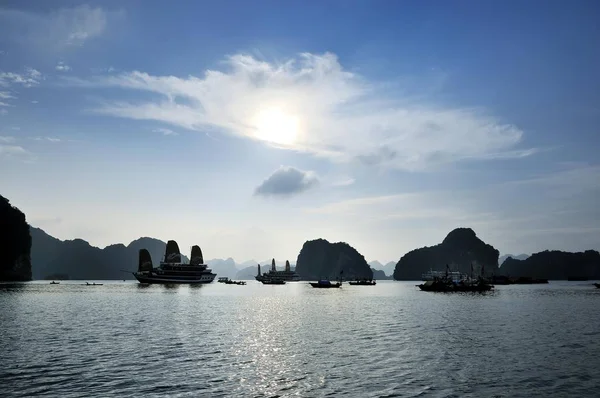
277 126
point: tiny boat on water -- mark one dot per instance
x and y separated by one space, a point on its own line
55 283
223 279
93 284
230 282
325 284
597 285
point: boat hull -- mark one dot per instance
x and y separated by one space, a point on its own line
322 286
157 279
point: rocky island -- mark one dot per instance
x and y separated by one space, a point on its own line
321 259
15 244
554 264
459 250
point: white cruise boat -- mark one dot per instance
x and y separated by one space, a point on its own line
273 275
172 269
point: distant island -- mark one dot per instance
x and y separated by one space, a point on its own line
557 265
459 250
15 244
321 259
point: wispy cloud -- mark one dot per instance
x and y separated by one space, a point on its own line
287 181
343 182
50 139
164 131
4 104
62 67
7 139
13 151
6 95
312 104
65 27
30 77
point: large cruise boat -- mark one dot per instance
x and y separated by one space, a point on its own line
273 275
433 275
172 269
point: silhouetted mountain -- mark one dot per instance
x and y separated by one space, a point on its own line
321 259
77 259
502 258
250 272
223 267
557 265
459 250
387 268
379 274
15 244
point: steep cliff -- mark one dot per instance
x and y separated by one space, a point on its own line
459 250
557 265
15 244
321 259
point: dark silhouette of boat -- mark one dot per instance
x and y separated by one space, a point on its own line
448 284
597 285
93 284
325 284
363 282
268 281
287 274
55 283
172 269
230 282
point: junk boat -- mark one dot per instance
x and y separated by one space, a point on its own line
363 282
286 275
172 269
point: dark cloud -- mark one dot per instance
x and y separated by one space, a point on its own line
286 181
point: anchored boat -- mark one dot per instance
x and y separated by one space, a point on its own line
286 275
172 269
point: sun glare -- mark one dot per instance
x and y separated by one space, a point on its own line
277 126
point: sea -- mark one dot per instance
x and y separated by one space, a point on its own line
126 339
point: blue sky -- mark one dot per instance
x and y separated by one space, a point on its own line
250 127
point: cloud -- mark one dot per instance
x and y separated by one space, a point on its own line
62 67
30 77
6 95
3 112
312 104
164 131
65 27
4 104
51 139
7 139
343 182
286 181
12 151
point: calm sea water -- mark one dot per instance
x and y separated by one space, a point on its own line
390 340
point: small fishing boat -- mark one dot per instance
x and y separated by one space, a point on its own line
325 284
597 285
230 282
223 279
93 284
55 283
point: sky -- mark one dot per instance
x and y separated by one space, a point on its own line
251 127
